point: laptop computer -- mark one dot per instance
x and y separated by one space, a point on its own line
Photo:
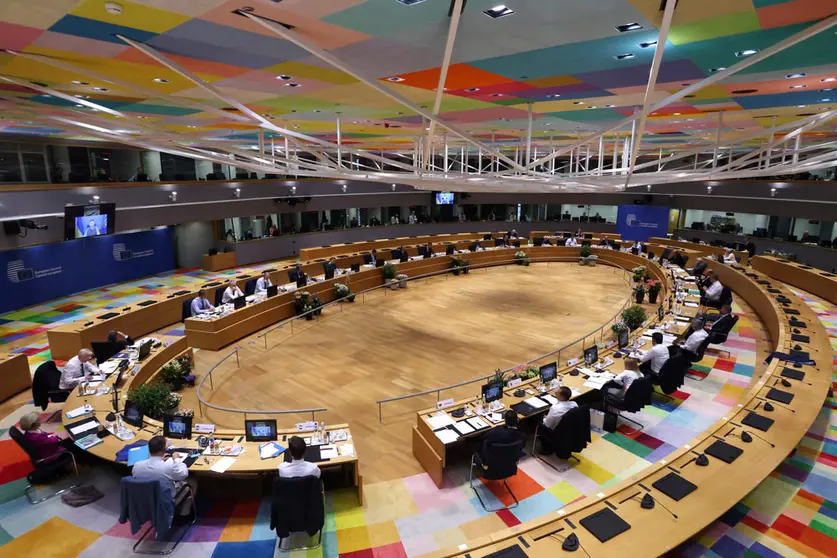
239 302
272 290
144 350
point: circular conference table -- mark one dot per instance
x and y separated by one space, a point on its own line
719 485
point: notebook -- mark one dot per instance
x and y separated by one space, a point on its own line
800 338
780 396
605 524
510 552
724 451
758 422
139 453
674 486
146 303
793 374
791 311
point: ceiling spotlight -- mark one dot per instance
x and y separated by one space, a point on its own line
95 199
293 189
393 187
746 53
721 69
709 189
410 2
473 89
283 77
794 76
291 85
626 56
161 80
395 79
648 44
499 11
76 82
100 89
798 86
826 80
578 102
648 187
237 193
344 188
628 27
173 196
773 192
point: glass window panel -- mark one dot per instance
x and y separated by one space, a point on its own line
35 167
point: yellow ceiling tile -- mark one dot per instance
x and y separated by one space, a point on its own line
40 15
133 15
307 71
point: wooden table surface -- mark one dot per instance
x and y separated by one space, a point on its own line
816 281
14 374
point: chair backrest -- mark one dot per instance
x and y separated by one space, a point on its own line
187 309
219 295
671 374
145 500
250 287
702 347
572 434
500 460
726 295
720 334
16 435
297 505
638 395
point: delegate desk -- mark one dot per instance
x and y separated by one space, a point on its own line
14 374
247 462
719 485
815 281
219 261
705 250
389 244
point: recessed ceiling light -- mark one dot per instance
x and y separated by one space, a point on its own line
497 95
648 44
80 106
291 85
82 96
578 102
628 27
610 106
626 56
798 86
395 79
826 80
76 82
793 76
499 11
721 69
284 77
828 100
746 53
801 106
473 89
100 89
410 2
161 80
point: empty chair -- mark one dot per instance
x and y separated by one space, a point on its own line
250 287
498 462
44 470
637 397
570 435
186 311
298 506
719 336
219 296
45 386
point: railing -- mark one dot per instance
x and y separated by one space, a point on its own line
426 276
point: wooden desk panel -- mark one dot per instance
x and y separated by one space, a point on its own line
217 262
14 375
813 280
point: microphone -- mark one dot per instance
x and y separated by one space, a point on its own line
775 405
648 497
748 434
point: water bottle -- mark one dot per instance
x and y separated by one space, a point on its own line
560 381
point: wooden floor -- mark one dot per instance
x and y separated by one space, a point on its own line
430 335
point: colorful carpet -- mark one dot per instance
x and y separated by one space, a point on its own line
794 511
404 517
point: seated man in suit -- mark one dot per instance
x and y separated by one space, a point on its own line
619 385
298 467
555 414
296 274
507 433
171 473
653 360
200 305
700 267
373 257
78 369
712 292
723 324
263 283
232 291
697 335
116 336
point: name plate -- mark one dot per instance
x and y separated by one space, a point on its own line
514 383
572 362
444 403
610 344
204 428
306 426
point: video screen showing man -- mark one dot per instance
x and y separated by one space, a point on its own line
91 225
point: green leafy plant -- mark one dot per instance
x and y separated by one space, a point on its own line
640 272
498 375
343 291
178 372
633 317
586 251
389 271
522 258
154 399
618 327
457 265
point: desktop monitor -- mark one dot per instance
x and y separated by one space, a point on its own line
472 247
132 414
103 350
380 262
123 366
499 242
367 258
587 235
568 235
585 243
666 254
422 251
548 372
144 350
660 312
260 430
492 391
85 221
301 281
538 241
444 198
516 243
329 272
405 257
623 338
486 237
272 290
591 355
239 302
450 249
355 267
396 254
176 426
292 275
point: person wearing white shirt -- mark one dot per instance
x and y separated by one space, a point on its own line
559 409
698 336
200 305
263 283
652 361
298 467
713 291
77 370
412 219
232 291
572 242
624 380
170 473
729 257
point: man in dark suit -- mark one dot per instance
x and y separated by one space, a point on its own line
724 322
116 336
507 433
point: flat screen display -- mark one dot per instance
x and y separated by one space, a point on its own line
444 198
177 427
591 355
87 221
132 414
548 372
623 339
492 391
260 430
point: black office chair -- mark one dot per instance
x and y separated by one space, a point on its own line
219 296
697 357
45 387
719 336
186 310
637 397
293 276
725 298
498 463
571 435
45 470
673 372
250 287
298 505
129 488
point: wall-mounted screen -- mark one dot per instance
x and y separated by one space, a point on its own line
444 198
86 221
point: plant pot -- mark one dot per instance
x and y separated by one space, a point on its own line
466 269
392 284
652 297
309 317
520 262
176 385
637 278
402 283
351 298
456 270
640 297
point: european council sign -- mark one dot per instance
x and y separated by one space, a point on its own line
641 222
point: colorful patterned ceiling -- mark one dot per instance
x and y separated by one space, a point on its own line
558 55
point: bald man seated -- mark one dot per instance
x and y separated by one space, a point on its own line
78 369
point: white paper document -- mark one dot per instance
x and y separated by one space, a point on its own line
223 464
463 427
439 421
83 410
536 402
447 436
477 423
81 428
691 304
328 452
347 450
552 400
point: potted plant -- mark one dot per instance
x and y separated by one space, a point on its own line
390 272
176 373
587 257
639 293
498 375
456 265
466 266
639 273
154 399
344 292
633 317
654 288
618 327
402 280
522 258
